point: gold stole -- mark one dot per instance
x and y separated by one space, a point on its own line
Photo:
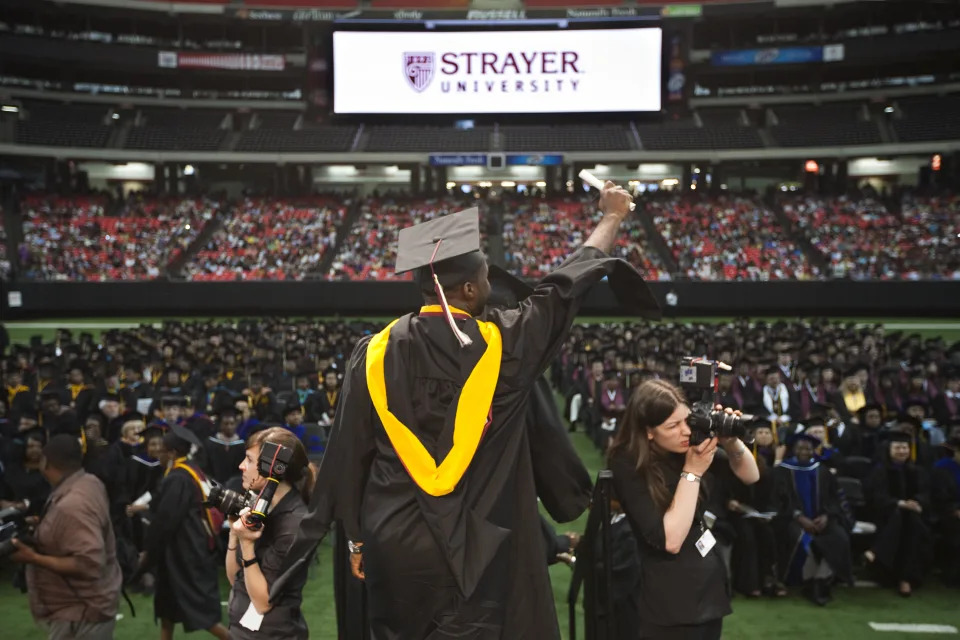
472 419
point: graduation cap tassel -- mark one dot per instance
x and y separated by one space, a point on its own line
461 337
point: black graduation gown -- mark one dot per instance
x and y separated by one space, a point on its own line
563 486
946 502
470 563
224 457
754 549
143 476
833 543
27 484
903 542
183 554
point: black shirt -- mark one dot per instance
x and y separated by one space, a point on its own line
284 620
676 589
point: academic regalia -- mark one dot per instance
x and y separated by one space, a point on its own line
27 484
946 407
224 457
754 560
811 490
459 552
182 549
325 402
903 542
946 505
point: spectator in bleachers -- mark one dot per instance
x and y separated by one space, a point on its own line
75 239
270 240
728 238
862 240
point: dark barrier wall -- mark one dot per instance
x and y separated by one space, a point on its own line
838 298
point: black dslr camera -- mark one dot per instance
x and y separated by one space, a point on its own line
698 379
272 464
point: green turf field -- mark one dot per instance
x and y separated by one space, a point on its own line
847 618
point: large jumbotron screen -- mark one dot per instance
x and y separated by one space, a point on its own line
473 72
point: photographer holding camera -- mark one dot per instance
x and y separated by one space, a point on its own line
257 547
72 571
660 474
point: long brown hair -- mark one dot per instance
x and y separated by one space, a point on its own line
649 406
300 473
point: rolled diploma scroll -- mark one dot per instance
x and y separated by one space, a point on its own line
597 183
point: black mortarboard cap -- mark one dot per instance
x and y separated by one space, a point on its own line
180 438
898 436
450 243
796 437
173 401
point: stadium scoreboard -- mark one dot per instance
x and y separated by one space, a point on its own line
614 70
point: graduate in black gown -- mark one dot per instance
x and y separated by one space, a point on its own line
754 549
455 550
225 450
181 544
898 494
25 485
946 503
812 529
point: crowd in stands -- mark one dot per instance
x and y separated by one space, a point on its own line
728 238
369 249
76 238
879 410
707 238
266 239
537 235
861 239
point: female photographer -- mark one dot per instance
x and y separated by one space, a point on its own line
663 484
255 556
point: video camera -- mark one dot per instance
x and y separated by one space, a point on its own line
13 525
272 464
698 379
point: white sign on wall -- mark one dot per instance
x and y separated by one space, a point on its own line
594 70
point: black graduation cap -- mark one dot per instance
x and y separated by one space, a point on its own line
915 402
796 437
871 406
180 439
448 246
443 252
131 416
898 436
915 423
852 371
292 407
173 401
815 420
153 430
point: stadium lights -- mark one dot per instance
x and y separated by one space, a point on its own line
693 186
697 170
188 170
115 116
451 185
888 109
670 182
10 108
484 184
541 183
508 183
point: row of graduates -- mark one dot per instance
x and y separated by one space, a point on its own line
795 525
207 391
785 371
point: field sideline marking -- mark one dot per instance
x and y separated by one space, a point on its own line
912 628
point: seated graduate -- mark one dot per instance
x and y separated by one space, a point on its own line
946 505
225 449
816 427
811 526
898 493
754 548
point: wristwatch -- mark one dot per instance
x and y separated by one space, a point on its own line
354 547
689 477
249 563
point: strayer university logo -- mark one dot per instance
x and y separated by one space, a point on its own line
418 68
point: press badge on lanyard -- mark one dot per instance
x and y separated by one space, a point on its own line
706 541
